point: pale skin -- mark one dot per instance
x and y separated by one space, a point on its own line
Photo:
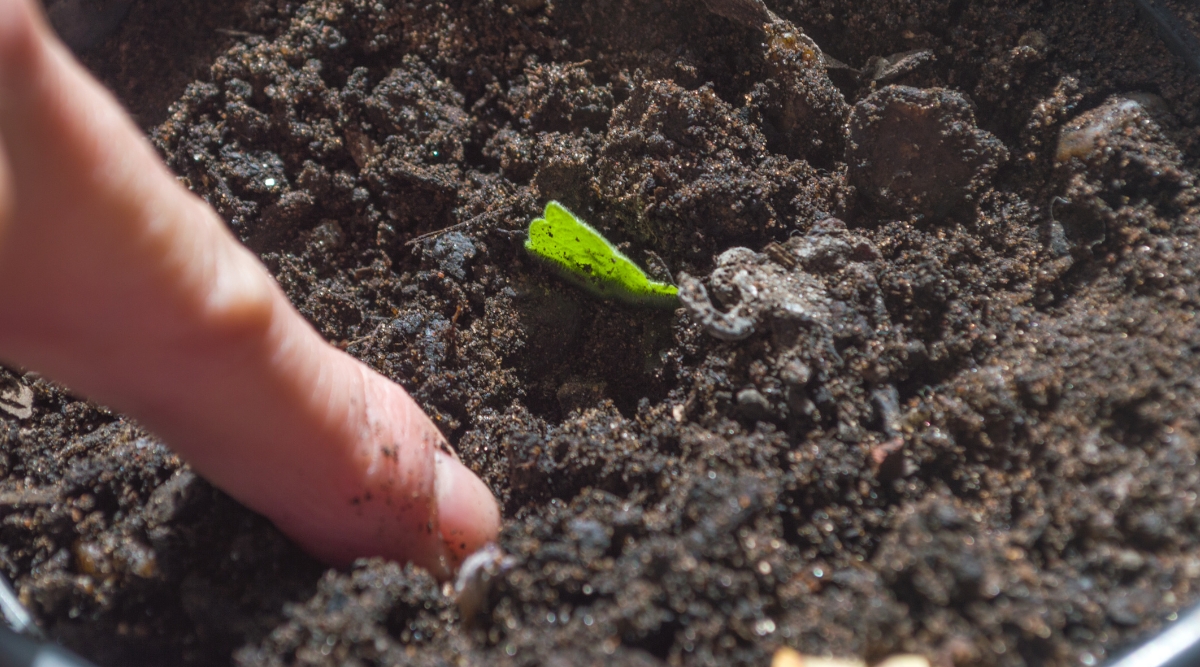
121 284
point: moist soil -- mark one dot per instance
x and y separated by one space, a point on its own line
933 385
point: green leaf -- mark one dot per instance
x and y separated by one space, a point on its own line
581 255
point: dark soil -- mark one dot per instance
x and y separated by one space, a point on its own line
956 415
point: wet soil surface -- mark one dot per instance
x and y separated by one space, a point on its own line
933 385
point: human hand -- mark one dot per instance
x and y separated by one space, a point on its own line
117 281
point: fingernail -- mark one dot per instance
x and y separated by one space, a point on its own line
467 510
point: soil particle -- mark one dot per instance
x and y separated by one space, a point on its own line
918 151
451 253
375 614
1116 161
752 289
673 156
957 419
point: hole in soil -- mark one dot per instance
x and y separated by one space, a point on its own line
579 351
658 642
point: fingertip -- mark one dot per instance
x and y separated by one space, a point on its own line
468 514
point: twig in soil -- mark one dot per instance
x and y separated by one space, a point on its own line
370 336
756 15
467 223
750 13
1057 200
235 33
1173 31
452 330
34 497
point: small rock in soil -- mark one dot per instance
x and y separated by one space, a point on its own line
915 151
